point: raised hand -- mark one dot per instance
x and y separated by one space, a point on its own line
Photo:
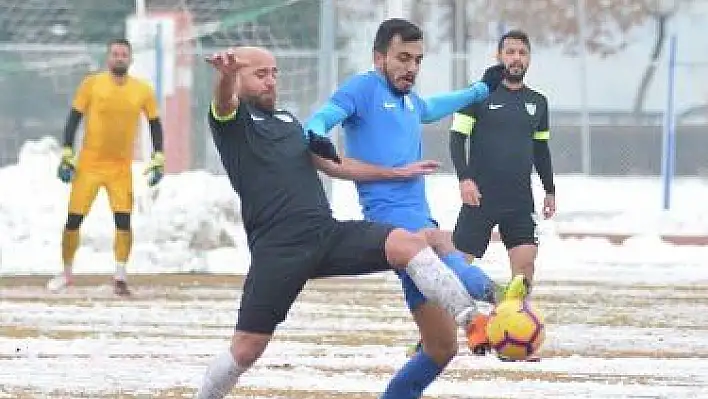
493 76
226 91
226 62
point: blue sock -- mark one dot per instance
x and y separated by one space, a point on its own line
410 381
477 282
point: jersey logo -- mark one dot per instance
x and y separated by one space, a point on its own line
388 105
409 103
531 108
495 106
256 118
284 117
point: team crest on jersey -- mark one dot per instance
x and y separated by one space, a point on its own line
284 117
531 108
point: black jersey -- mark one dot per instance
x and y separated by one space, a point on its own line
266 158
502 130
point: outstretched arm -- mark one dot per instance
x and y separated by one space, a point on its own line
442 105
355 170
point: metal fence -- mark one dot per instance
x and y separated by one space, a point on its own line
606 101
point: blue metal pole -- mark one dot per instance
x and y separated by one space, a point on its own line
669 136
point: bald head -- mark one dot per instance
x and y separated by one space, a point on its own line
258 79
254 54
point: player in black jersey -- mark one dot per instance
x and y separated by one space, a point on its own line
507 133
292 236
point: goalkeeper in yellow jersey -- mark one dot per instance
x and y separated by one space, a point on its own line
110 103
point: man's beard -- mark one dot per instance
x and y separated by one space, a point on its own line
517 78
392 84
119 70
259 103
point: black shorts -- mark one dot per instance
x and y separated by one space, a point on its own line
473 229
279 272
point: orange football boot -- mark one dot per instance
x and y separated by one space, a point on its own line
477 335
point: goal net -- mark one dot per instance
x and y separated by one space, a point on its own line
47 47
289 28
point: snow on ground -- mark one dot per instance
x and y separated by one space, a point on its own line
191 221
343 337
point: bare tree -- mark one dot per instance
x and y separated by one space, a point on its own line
548 23
555 23
661 16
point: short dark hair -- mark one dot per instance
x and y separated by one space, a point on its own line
123 42
514 34
390 28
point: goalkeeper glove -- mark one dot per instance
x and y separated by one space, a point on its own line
155 169
493 77
67 165
322 146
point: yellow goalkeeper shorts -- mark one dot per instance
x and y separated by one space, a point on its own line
116 179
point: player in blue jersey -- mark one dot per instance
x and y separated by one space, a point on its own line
382 117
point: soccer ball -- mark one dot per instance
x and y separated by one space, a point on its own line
515 329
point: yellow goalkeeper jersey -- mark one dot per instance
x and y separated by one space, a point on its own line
111 116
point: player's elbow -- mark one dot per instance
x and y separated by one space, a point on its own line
324 119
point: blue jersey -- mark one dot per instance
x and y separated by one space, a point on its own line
384 128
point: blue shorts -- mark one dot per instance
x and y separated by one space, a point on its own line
411 220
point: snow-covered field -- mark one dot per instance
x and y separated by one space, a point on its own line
344 338
624 321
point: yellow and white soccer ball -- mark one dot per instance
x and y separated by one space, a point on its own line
515 329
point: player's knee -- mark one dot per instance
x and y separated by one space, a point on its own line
122 220
73 221
523 255
439 240
402 246
246 348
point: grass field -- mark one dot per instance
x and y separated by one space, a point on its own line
343 339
